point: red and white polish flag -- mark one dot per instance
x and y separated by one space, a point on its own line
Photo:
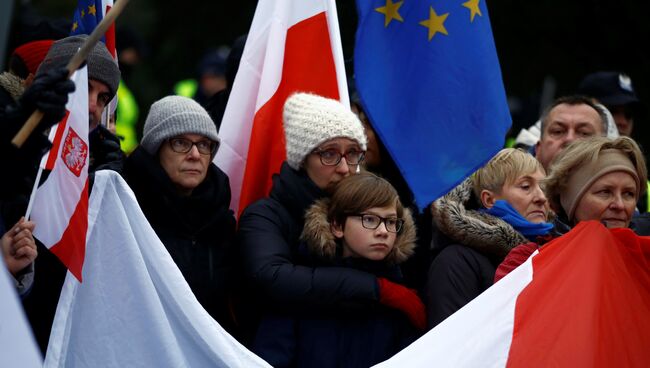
292 46
60 207
582 301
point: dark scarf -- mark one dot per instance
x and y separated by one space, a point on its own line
296 191
164 206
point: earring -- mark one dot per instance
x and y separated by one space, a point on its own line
358 169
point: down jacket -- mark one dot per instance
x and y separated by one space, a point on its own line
269 232
337 338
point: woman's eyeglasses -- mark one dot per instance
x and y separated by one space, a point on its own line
332 157
183 145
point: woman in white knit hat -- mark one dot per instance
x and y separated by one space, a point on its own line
325 142
185 198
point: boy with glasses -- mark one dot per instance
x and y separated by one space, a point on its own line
325 144
363 226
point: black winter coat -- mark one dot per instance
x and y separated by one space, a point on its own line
269 232
457 275
337 338
198 231
478 242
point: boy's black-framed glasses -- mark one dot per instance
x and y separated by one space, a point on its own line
372 222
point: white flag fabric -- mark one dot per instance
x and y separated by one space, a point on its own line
134 308
17 345
478 335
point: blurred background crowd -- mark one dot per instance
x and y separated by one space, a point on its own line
545 49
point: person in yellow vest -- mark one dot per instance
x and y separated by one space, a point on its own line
131 49
127 118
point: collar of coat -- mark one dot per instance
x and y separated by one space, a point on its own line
317 234
456 215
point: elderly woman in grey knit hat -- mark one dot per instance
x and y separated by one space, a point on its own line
325 142
186 199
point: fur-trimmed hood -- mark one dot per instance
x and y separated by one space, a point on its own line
12 84
456 215
317 234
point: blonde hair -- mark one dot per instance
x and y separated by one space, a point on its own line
504 168
583 152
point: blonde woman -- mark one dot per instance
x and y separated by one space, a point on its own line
594 179
501 206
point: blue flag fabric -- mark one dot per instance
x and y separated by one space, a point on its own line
428 77
86 17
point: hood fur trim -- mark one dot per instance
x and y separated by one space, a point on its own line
317 234
480 231
12 84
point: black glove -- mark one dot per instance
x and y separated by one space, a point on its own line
48 93
105 152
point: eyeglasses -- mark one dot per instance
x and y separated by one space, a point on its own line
393 224
183 145
332 157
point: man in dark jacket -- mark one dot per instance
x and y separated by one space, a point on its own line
49 93
185 198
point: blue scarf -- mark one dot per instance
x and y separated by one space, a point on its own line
503 210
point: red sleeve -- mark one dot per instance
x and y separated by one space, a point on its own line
517 256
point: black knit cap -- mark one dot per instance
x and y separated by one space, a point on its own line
101 65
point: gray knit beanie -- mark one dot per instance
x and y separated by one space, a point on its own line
101 65
172 116
310 120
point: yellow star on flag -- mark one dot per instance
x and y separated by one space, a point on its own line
472 5
83 13
435 23
390 11
91 10
74 26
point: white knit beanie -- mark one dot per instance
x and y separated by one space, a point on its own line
310 120
172 116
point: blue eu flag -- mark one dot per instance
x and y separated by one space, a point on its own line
428 77
86 17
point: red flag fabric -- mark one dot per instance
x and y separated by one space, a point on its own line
292 46
582 301
60 207
589 303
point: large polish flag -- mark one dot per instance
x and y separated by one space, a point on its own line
293 45
135 308
60 205
582 301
